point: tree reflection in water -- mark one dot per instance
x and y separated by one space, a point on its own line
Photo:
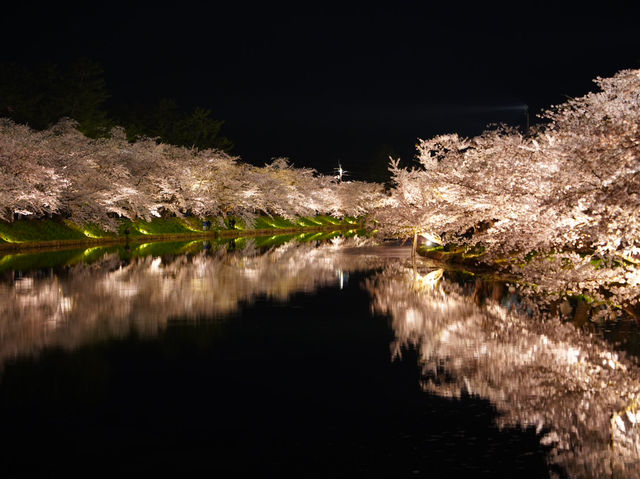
113 297
572 386
545 373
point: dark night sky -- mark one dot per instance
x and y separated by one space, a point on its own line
321 83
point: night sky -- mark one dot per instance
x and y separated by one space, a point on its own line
322 83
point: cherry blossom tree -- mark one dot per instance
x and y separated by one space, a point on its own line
570 188
97 181
31 185
572 183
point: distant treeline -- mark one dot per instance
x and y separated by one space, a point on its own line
40 96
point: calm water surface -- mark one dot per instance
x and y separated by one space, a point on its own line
305 358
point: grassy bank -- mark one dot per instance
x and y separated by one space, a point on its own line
34 233
66 255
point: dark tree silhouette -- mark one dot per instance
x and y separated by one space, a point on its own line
41 96
86 94
167 122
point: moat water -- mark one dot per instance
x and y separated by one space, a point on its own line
305 357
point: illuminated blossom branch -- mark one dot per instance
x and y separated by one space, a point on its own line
573 183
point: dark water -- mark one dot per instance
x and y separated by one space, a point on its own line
272 363
306 388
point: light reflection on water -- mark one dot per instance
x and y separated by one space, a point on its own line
578 392
571 386
113 296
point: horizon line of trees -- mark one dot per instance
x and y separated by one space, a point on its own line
41 96
60 171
